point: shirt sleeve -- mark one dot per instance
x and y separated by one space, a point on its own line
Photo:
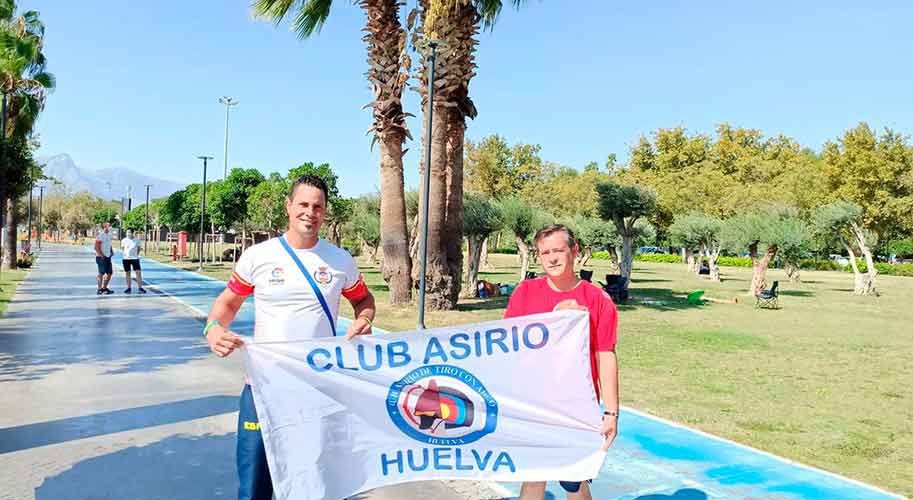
515 304
242 278
606 325
355 288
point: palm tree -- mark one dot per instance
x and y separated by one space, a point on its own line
388 71
453 24
24 83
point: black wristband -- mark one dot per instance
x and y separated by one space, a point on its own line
610 413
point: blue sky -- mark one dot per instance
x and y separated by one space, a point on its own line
138 82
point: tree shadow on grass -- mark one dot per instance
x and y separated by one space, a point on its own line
379 288
660 299
796 293
483 304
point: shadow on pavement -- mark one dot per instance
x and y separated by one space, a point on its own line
185 467
28 436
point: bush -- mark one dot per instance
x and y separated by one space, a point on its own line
734 261
885 269
665 258
510 251
819 265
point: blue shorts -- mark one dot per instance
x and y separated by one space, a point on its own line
104 265
253 472
572 486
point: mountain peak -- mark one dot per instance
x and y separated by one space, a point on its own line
109 184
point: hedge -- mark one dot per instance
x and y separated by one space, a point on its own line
886 269
808 264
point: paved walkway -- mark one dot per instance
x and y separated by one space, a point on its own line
110 398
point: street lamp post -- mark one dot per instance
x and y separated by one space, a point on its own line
146 231
228 102
40 203
203 210
28 236
427 184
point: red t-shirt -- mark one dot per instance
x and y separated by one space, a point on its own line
536 296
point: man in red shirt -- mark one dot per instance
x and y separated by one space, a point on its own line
562 289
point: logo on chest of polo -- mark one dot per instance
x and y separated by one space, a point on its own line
322 275
277 276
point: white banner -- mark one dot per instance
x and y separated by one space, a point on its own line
508 400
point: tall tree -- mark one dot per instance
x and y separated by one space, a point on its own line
520 219
267 204
453 25
388 71
874 173
24 83
481 218
843 221
593 233
766 228
230 204
624 206
701 231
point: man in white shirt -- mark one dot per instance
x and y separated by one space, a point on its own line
298 281
130 247
103 253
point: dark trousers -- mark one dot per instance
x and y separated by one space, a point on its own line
253 471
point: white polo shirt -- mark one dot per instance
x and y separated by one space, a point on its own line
130 248
285 305
105 239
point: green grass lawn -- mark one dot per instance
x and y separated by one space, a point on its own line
826 380
9 280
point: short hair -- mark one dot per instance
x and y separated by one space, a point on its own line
129 233
549 230
313 181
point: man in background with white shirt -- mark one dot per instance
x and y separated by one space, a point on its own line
103 253
130 247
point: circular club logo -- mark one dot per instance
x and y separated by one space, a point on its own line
322 275
442 405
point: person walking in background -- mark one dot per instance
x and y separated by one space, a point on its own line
130 246
103 253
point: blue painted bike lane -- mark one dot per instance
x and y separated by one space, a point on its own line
652 459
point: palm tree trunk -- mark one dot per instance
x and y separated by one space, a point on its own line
397 266
454 211
12 224
439 277
388 72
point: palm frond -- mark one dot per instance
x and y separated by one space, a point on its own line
7 8
272 10
311 17
46 80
